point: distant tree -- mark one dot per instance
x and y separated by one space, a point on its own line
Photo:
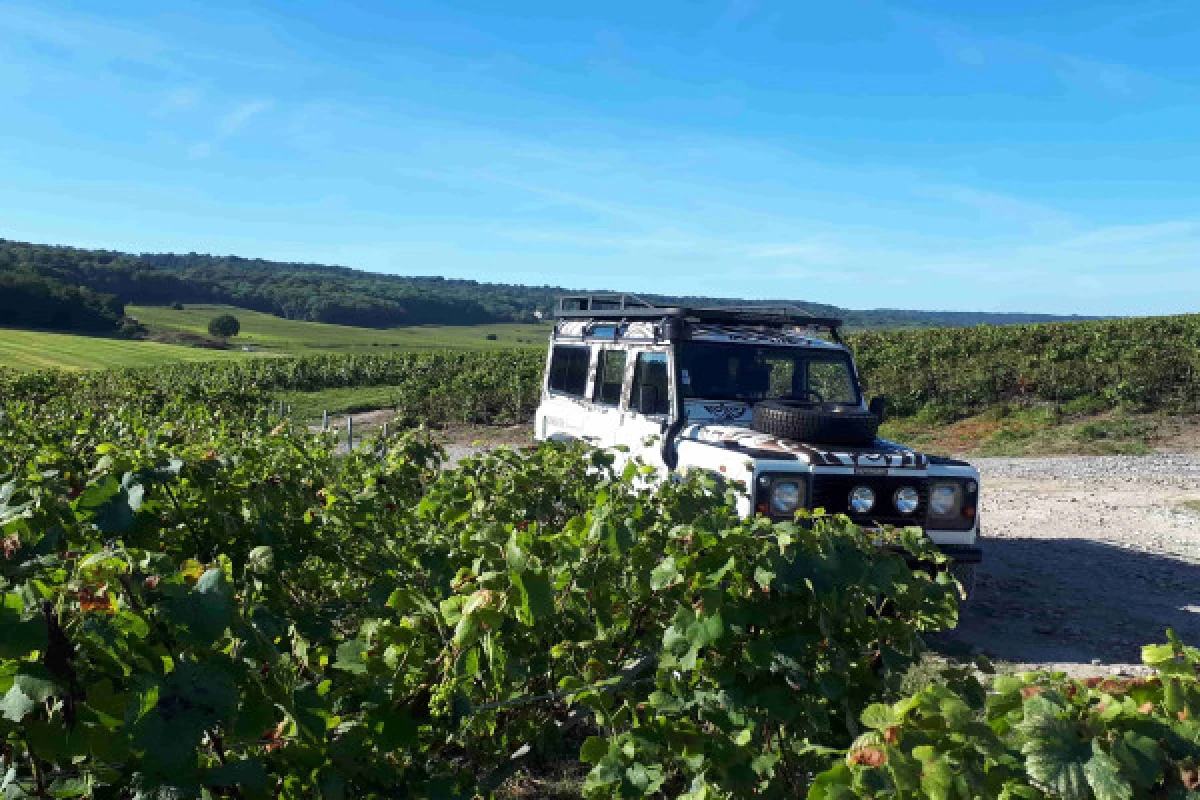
224 326
177 306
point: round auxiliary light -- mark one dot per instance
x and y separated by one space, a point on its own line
945 500
764 481
862 499
906 499
785 498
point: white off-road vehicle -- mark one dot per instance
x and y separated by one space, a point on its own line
767 397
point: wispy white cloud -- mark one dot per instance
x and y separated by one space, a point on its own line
199 150
1000 208
182 98
235 120
229 125
977 51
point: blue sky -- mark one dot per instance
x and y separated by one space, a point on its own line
1031 156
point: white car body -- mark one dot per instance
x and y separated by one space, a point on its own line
581 400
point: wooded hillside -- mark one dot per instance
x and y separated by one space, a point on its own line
53 277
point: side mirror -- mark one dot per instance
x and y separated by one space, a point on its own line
878 406
648 399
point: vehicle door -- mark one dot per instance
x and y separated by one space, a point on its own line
565 411
608 388
647 406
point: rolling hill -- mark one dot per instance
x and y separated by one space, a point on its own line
69 287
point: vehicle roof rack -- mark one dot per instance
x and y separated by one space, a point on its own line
618 307
592 303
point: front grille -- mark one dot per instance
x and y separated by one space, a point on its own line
832 493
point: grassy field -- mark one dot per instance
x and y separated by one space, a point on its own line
307 406
264 333
1014 431
274 334
27 350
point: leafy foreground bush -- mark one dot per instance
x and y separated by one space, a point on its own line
1034 736
202 607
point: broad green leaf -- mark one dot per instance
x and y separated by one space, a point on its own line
261 560
832 784
879 716
665 574
537 598
1104 776
70 787
351 656
19 638
593 750
1174 700
204 613
35 681
247 774
516 556
1055 756
1140 758
396 729
16 705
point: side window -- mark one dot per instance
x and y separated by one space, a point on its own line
610 377
569 369
651 388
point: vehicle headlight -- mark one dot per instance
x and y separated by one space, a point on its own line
785 497
862 499
906 499
946 499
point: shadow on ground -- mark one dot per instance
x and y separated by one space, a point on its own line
1074 600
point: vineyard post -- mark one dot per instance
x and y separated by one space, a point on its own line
385 431
349 433
325 420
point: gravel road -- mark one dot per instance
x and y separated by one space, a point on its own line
1085 560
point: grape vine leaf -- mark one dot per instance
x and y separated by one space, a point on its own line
19 637
665 574
205 612
537 598
1055 756
16 705
1104 776
248 774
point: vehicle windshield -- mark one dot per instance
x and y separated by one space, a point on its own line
749 373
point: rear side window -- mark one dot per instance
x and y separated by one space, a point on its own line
569 369
651 389
610 377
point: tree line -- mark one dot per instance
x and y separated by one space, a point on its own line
71 288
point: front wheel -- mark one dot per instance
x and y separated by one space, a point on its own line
965 575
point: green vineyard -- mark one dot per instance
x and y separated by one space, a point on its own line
1139 364
200 600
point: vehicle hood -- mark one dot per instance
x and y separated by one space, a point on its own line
879 454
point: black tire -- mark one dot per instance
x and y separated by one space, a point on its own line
806 422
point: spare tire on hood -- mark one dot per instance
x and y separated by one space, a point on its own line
807 422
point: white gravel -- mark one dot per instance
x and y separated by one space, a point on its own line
1085 559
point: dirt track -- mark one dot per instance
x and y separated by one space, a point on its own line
1085 559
